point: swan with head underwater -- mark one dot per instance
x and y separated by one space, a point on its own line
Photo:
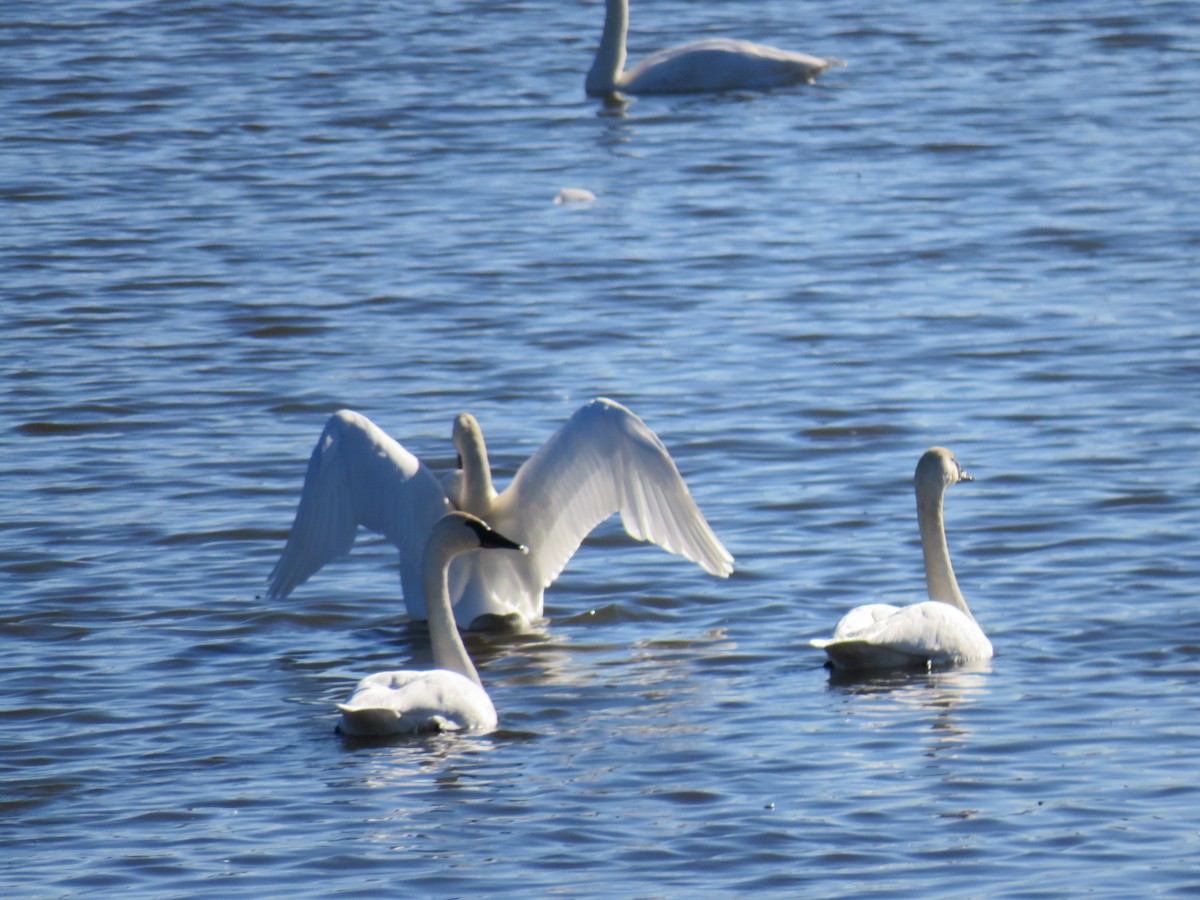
937 632
604 460
716 64
450 697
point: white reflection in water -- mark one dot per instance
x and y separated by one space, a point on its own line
884 700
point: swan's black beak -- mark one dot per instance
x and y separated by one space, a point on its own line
494 540
489 539
964 475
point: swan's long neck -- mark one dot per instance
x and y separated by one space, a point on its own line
939 574
605 74
477 490
448 649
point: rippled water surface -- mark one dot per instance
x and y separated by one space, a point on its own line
219 222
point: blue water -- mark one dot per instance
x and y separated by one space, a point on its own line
219 222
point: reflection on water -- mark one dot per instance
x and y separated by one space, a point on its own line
879 699
444 761
922 684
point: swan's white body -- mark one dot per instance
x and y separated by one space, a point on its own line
716 64
603 460
450 697
938 631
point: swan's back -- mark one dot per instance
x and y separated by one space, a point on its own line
410 701
720 64
930 633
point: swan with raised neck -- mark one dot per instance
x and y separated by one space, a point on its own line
450 696
715 64
938 631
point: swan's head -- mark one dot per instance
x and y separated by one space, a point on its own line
937 470
473 490
461 532
466 434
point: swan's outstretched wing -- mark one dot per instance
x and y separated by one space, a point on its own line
359 476
603 460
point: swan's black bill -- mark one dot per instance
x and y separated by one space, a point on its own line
494 540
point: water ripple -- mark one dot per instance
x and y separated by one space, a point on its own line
225 221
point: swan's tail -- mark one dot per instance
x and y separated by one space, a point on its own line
819 66
826 64
368 721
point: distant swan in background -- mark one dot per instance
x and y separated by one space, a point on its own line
717 64
602 461
938 631
450 697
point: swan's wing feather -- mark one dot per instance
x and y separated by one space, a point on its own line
928 630
862 618
357 475
603 460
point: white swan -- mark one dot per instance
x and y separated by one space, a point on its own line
716 64
450 697
939 631
603 460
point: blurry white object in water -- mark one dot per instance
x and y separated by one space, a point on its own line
938 631
574 195
717 64
450 697
602 461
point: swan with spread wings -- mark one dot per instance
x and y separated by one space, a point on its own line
604 460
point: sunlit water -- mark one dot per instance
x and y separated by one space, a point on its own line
221 221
